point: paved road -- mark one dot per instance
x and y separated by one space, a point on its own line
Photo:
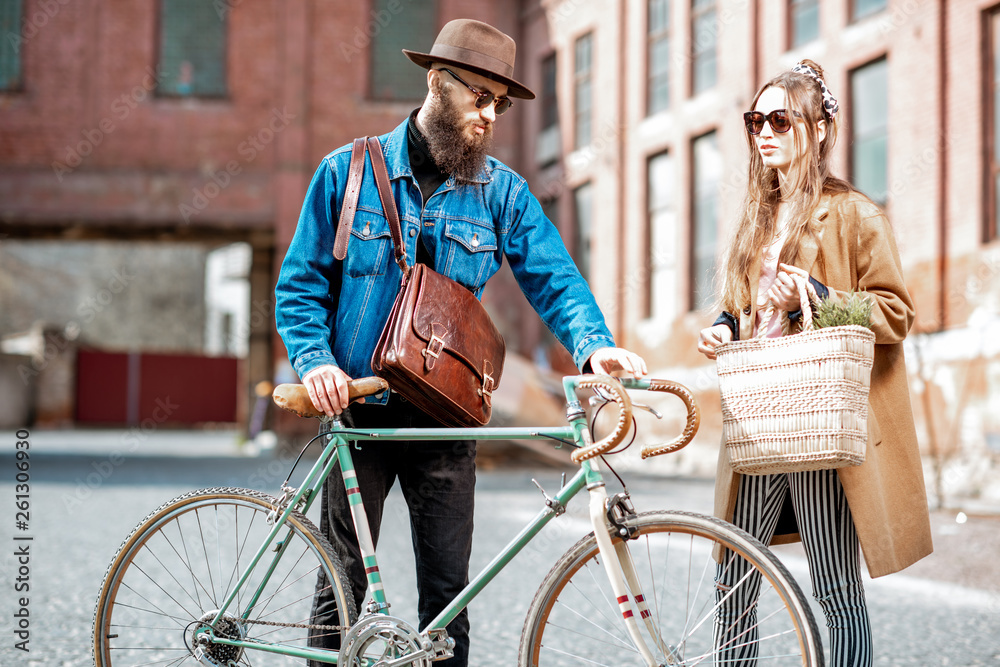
89 489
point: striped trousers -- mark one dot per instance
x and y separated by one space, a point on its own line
831 546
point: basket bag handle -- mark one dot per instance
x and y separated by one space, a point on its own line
807 293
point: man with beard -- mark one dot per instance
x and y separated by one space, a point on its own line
461 212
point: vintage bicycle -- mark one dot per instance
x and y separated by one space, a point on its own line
226 576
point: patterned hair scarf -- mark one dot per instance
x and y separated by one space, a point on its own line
830 106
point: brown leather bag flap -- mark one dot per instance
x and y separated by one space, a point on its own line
449 318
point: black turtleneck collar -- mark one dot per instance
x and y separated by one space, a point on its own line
429 176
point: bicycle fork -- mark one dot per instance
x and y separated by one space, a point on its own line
620 569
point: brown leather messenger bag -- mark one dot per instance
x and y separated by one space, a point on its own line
439 349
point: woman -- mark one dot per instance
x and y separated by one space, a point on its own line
800 219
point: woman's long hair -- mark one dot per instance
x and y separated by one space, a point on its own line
808 179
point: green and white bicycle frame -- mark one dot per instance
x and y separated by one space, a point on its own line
603 512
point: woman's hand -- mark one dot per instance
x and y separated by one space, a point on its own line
713 337
783 293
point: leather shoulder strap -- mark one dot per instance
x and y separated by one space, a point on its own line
355 176
388 203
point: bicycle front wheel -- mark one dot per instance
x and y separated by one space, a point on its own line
173 572
740 610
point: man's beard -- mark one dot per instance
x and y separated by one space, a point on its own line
453 150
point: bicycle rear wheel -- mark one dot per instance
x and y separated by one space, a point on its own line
697 611
173 572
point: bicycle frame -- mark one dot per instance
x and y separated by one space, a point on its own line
337 452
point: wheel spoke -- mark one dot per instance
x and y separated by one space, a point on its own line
691 602
186 557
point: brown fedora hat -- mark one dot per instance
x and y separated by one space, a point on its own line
477 47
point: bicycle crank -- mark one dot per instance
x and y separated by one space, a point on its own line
386 641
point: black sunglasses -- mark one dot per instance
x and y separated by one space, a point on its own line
482 99
779 120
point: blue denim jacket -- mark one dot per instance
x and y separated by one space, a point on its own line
331 312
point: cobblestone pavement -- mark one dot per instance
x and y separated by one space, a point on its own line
88 491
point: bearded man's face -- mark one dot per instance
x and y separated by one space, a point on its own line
458 136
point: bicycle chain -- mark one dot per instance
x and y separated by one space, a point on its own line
305 626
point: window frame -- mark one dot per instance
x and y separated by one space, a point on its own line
852 129
852 12
990 87
578 79
692 226
652 38
649 309
369 50
696 12
159 92
790 7
19 86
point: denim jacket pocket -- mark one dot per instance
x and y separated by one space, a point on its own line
370 247
471 254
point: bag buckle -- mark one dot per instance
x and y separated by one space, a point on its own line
486 391
432 351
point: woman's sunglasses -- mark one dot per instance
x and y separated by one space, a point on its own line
780 121
483 99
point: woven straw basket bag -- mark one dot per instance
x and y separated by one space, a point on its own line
798 402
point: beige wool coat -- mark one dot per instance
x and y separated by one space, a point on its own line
855 250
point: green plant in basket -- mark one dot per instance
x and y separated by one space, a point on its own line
855 309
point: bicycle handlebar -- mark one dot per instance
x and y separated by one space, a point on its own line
618 394
295 398
691 424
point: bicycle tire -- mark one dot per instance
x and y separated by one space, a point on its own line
575 619
180 562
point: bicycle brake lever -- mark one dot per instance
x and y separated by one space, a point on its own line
648 408
598 400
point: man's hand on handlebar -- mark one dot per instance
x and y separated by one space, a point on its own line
616 361
327 387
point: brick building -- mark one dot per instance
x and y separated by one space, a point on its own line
188 124
201 121
651 170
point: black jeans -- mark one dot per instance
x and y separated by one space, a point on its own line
438 481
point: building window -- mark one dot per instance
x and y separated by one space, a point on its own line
10 48
864 8
412 24
658 55
704 40
583 53
870 123
192 49
583 207
547 149
662 228
707 171
991 116
803 22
